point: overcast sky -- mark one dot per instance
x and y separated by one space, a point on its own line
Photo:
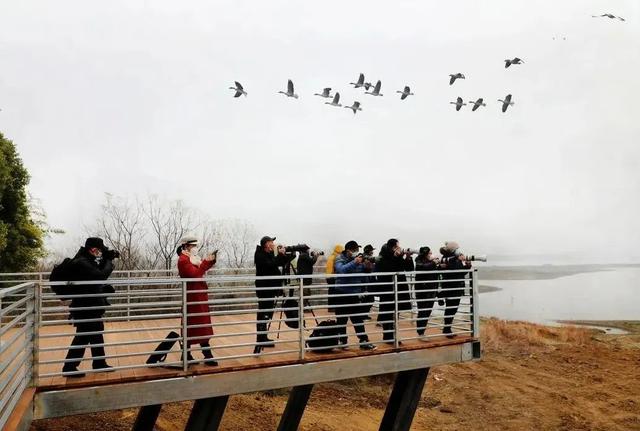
132 97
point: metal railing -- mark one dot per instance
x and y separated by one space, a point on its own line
126 326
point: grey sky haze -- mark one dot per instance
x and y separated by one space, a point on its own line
131 97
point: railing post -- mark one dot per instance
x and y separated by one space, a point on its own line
474 303
128 297
396 310
185 348
301 317
37 316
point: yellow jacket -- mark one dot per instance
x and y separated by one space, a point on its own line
332 258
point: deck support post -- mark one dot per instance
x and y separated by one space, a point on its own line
147 417
404 399
206 414
298 398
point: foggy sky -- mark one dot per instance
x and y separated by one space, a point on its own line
131 97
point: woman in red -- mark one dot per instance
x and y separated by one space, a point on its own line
190 266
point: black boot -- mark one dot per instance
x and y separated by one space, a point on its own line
208 356
102 366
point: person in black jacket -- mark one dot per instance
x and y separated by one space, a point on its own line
452 291
392 259
267 264
306 260
426 287
92 262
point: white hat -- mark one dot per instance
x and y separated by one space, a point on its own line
189 240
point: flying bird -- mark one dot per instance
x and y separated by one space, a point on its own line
454 77
459 103
355 107
289 92
360 82
367 85
325 93
239 90
376 89
509 62
608 15
478 103
406 92
334 102
506 102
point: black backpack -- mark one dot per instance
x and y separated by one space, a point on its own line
62 272
290 306
324 345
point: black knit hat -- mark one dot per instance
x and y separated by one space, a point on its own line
368 248
391 244
94 242
424 251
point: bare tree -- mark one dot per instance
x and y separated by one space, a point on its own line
168 222
121 225
239 237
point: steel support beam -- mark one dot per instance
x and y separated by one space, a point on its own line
147 417
298 398
404 399
206 414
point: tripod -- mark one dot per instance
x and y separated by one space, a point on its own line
305 303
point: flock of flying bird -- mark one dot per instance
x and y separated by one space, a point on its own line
375 91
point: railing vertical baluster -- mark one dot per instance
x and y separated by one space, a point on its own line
474 302
396 311
185 362
301 317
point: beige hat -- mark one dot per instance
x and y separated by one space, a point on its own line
189 240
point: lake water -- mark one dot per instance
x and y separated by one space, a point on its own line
607 295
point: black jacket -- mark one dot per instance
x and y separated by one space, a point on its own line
422 264
305 266
268 264
453 263
388 262
85 268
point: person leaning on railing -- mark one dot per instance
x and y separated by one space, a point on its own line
191 266
452 291
92 262
267 264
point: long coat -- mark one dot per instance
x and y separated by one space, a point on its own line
86 268
186 269
388 262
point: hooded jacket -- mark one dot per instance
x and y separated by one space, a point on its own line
332 258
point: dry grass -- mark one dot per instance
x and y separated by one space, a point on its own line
496 334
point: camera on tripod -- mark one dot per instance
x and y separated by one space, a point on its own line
302 248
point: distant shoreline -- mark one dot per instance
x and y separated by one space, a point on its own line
543 272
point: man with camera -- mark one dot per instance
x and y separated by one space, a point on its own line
393 258
94 261
426 286
452 291
306 260
268 264
350 292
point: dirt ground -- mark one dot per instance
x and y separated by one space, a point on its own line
530 377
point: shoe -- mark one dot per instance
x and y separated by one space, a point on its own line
420 333
211 362
343 345
367 346
66 371
103 366
447 331
257 350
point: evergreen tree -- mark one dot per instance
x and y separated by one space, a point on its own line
21 239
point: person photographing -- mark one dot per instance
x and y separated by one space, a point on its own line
190 265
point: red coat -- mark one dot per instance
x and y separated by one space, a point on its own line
186 269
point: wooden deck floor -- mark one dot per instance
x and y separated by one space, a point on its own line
223 336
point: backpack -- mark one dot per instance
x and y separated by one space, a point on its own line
292 315
62 272
324 345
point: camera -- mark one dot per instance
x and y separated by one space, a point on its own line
317 253
409 251
110 254
367 257
470 257
298 247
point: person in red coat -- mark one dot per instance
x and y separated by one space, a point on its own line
191 266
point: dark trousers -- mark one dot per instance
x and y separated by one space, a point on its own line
451 301
424 300
350 305
81 339
264 316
